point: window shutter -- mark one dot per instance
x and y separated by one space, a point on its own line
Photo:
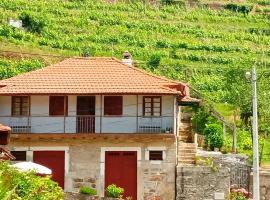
113 105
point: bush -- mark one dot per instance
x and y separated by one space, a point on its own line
27 185
34 24
214 136
114 191
88 191
245 9
244 140
154 61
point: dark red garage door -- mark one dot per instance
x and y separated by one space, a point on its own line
55 160
121 169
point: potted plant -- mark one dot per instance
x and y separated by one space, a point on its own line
87 193
168 130
114 192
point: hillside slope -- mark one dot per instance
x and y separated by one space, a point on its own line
211 49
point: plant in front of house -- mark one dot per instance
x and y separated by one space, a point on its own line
114 191
214 136
88 191
239 194
19 185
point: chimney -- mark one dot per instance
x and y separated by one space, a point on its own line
127 58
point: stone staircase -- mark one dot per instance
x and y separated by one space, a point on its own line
186 145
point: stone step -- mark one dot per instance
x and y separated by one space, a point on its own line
184 162
192 157
184 138
182 133
184 144
183 151
185 124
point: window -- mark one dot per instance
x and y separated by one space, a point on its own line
58 105
113 105
19 155
155 155
20 106
152 106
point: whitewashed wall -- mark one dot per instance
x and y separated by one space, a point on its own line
41 122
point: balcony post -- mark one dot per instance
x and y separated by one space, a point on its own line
137 114
100 119
65 110
28 117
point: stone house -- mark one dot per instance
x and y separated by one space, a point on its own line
97 121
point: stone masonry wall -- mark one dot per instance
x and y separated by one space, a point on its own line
202 183
238 165
264 184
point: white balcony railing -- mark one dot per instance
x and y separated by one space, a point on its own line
89 124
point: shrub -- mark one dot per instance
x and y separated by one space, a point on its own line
34 24
114 191
244 140
88 191
199 120
245 9
214 136
154 61
27 185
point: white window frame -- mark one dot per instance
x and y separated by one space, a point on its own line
147 154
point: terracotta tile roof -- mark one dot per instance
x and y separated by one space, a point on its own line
6 155
4 128
89 76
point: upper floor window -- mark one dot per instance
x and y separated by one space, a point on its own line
58 105
20 105
113 105
152 106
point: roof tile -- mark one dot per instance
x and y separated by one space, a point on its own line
89 76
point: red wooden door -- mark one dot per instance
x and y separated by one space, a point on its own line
54 160
121 169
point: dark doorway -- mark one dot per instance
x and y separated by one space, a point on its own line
86 114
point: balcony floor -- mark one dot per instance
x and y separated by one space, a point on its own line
89 136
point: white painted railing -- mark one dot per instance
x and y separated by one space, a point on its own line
89 124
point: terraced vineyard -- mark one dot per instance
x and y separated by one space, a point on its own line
209 48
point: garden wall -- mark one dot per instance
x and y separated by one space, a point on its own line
264 184
238 165
199 182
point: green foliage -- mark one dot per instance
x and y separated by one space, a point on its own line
214 136
21 185
245 9
244 140
199 120
227 145
11 67
34 24
154 61
88 190
114 191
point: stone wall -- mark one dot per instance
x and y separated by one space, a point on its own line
202 183
264 184
238 165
